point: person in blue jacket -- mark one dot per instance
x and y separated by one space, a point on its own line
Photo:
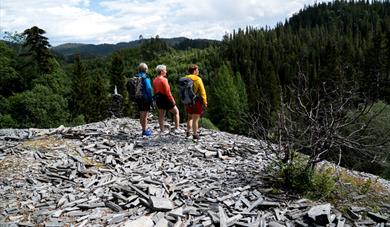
145 103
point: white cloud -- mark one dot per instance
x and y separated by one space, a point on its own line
112 21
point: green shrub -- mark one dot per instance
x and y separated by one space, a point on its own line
4 105
206 123
297 176
79 120
323 183
39 108
365 188
6 121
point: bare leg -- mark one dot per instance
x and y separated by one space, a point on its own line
189 123
176 116
143 119
161 116
195 118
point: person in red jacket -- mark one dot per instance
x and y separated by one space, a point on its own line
164 99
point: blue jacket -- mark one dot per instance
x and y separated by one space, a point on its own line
147 90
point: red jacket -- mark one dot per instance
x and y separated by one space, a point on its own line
161 85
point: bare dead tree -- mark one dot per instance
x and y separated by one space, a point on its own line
318 122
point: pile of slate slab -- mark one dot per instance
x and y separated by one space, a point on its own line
107 174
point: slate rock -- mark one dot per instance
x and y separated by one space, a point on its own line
320 214
8 224
353 215
100 169
53 224
162 223
161 204
377 217
140 222
275 224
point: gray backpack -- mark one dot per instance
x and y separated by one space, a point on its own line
187 94
134 88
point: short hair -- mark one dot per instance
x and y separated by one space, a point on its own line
160 68
142 67
192 68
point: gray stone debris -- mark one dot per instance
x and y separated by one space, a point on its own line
107 174
140 222
320 214
377 217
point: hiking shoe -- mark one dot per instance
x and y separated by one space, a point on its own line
147 132
188 134
178 131
195 137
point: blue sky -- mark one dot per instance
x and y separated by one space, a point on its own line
113 21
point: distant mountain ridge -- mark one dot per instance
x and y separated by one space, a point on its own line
181 43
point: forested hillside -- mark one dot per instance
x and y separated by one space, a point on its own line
69 50
330 63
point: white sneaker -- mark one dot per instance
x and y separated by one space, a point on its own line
163 133
178 131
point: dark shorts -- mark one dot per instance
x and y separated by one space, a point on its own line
163 102
196 108
143 105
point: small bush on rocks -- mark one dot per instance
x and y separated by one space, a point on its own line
298 176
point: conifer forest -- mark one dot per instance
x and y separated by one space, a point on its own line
318 81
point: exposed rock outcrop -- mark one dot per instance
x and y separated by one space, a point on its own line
106 174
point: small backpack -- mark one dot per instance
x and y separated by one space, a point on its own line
134 88
147 90
187 94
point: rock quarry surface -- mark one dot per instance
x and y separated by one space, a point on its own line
107 174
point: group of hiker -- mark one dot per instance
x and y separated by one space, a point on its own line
192 92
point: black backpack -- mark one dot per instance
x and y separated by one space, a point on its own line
135 87
187 94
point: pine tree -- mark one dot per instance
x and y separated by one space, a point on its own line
81 96
375 67
99 99
243 101
118 79
228 98
386 83
36 50
153 48
275 90
117 75
330 65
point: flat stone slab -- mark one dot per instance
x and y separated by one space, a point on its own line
161 204
377 217
320 214
140 222
162 223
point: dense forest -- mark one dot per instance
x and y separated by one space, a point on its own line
68 50
326 52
